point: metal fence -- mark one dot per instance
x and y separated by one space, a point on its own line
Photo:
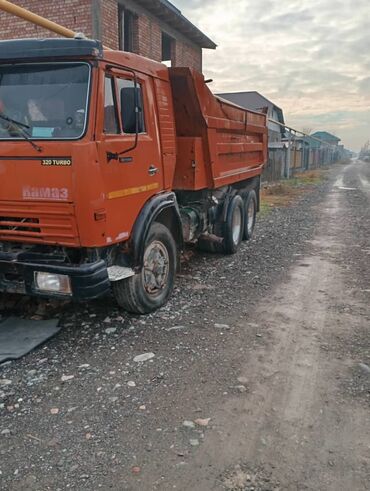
274 170
298 152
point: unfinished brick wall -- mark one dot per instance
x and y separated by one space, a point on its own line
74 14
149 35
150 38
78 16
186 55
109 23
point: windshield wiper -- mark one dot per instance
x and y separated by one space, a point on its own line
10 120
20 127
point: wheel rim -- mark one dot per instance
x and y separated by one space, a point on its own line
156 268
237 225
250 216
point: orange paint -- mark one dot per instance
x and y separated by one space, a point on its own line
192 140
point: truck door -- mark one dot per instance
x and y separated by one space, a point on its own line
131 175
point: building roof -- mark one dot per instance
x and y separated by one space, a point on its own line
326 136
253 100
166 11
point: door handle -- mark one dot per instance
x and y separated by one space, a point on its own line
152 171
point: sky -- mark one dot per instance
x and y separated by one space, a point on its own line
311 58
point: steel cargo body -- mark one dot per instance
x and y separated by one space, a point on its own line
218 143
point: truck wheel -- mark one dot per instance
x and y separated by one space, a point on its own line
151 288
234 225
250 211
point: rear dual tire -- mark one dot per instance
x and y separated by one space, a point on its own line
250 212
234 225
240 221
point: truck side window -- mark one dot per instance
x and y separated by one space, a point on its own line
126 96
110 111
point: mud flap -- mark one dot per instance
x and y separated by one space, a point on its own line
20 336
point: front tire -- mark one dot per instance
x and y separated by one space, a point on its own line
150 289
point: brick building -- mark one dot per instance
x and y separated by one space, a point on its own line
152 28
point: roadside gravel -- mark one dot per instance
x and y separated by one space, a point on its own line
83 412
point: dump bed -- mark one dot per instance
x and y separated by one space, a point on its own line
218 143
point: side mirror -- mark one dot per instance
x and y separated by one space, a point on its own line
131 109
132 117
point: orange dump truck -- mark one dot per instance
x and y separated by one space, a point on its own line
109 163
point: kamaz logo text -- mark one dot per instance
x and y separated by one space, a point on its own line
45 193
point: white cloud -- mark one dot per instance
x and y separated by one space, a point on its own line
311 58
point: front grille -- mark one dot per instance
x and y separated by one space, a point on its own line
20 224
38 223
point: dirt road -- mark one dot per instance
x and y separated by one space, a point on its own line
301 423
260 378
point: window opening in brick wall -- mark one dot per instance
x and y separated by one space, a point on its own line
126 29
168 50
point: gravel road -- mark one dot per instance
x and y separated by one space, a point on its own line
256 375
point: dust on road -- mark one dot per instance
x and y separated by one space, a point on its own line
258 381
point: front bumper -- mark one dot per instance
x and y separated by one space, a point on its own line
88 281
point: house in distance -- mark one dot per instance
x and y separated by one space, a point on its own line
257 102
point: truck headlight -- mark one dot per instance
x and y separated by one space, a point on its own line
54 283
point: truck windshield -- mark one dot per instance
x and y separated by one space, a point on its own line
50 99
